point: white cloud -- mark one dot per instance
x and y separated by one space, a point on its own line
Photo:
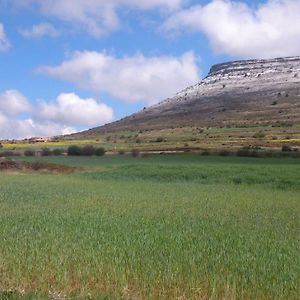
13 102
40 30
19 129
71 110
67 114
234 28
4 43
130 79
96 16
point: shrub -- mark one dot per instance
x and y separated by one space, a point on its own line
121 152
74 151
205 153
9 153
57 152
46 152
88 150
99 151
259 135
243 152
159 139
255 153
224 153
29 152
135 152
286 148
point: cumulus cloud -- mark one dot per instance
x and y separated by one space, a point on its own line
71 110
4 43
12 103
67 114
130 79
40 30
96 16
235 28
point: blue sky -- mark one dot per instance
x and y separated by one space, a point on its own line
67 65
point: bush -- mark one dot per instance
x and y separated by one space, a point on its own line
29 152
88 150
205 153
224 153
57 152
74 151
259 135
121 152
135 152
247 152
159 140
286 148
9 153
99 151
243 152
46 152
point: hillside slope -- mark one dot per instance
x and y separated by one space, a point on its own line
240 93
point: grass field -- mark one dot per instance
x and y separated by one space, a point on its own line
162 227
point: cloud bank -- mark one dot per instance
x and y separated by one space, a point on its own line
237 29
130 79
65 115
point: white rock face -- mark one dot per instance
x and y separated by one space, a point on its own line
242 77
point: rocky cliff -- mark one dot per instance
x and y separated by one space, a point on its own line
239 93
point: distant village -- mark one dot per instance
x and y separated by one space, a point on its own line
32 140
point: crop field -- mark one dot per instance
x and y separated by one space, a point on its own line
155 227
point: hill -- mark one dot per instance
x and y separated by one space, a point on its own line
239 93
251 103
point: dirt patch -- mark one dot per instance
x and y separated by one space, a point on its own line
12 165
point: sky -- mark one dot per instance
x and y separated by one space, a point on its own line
70 65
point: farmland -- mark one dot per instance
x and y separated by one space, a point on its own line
155 227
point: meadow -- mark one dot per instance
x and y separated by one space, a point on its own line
156 227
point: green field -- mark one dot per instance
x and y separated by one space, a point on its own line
160 227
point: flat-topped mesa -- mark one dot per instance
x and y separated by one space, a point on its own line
238 93
243 77
256 66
